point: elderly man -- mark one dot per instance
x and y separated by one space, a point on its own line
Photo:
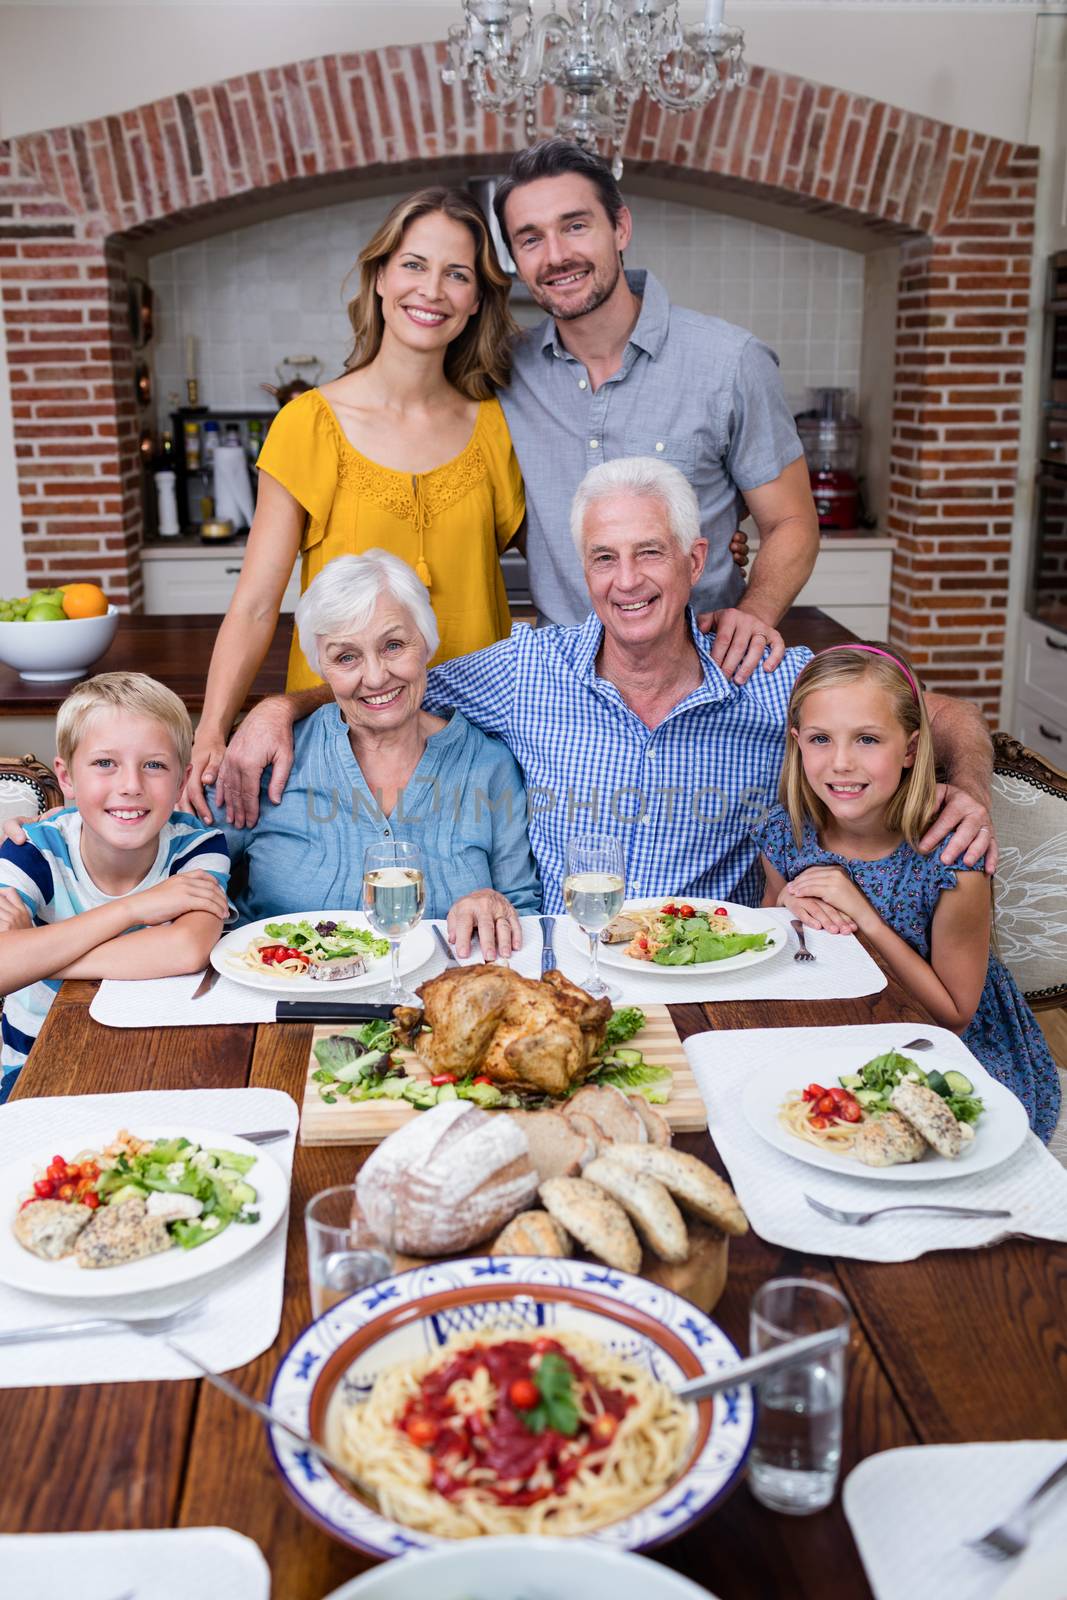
626 723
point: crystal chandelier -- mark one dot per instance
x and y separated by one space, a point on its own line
599 55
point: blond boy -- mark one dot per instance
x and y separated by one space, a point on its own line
117 858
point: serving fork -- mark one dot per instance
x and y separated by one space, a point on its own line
803 954
1011 1537
147 1327
858 1218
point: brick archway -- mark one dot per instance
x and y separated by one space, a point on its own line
960 202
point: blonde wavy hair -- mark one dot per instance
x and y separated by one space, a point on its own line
914 802
478 361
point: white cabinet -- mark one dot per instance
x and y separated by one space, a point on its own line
1040 717
851 583
191 580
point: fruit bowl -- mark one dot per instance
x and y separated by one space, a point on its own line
42 652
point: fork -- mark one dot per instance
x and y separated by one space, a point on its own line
1011 1537
803 954
858 1218
145 1326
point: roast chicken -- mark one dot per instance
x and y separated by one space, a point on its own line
533 1037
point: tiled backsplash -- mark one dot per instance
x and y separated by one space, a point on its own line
255 295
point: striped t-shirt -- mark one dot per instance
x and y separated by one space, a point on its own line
49 874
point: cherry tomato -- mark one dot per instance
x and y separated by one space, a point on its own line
686 911
65 1191
542 1344
814 1091
89 1169
604 1428
421 1431
523 1394
825 1105
91 1199
642 942
819 1122
721 911
670 909
442 1077
849 1111
482 1078
273 954
44 1188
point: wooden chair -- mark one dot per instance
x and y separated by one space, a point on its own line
27 787
1030 816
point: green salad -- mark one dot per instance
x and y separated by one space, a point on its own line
213 1183
875 1081
367 1063
691 941
327 941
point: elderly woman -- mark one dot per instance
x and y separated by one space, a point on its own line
372 765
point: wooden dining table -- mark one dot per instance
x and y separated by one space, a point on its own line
957 1346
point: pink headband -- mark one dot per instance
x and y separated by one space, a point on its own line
873 650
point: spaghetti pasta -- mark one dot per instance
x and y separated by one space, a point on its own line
794 1115
479 1468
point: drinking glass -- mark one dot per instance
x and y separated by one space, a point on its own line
593 892
796 1454
345 1254
394 894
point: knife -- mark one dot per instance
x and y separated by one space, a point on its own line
207 982
330 1011
548 955
446 948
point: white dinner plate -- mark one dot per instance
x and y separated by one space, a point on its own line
65 1279
416 948
998 1133
745 918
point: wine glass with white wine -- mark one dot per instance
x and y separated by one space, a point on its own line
394 895
593 892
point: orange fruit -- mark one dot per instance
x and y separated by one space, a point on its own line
84 600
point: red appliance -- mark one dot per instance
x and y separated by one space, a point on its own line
831 440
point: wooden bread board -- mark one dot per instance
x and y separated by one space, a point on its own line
371 1121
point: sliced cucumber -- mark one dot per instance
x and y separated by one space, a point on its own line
629 1058
958 1084
868 1097
850 1080
129 1191
938 1084
446 1091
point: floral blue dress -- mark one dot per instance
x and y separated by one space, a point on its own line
904 889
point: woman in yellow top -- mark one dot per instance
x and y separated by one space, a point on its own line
408 452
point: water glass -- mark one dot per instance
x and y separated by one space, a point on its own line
594 888
394 895
345 1254
796 1454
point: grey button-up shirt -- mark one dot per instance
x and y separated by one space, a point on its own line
693 390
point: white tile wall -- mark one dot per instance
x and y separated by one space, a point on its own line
255 295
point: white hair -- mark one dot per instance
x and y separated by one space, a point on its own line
640 476
341 600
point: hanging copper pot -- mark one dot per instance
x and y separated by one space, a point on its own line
291 382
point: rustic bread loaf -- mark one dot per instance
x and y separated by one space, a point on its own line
657 1127
646 1203
532 1233
557 1148
594 1219
591 1131
611 1111
448 1179
693 1185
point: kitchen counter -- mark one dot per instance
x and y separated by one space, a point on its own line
177 651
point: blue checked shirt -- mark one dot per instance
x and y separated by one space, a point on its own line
682 797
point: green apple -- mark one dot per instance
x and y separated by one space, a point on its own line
45 611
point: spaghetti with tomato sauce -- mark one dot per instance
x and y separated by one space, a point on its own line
497 1434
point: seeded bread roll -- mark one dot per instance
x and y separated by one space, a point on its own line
648 1205
929 1116
594 1219
693 1185
532 1233
448 1179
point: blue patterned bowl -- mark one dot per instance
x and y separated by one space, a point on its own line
337 1359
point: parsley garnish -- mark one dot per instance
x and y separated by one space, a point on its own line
557 1409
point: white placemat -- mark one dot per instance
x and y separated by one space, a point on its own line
911 1510
244 1303
771 1185
841 970
168 1563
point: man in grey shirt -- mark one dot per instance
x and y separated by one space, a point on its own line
616 370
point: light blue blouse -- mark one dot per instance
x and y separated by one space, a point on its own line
465 806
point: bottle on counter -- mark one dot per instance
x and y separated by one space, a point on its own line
164 461
168 525
255 439
211 444
192 446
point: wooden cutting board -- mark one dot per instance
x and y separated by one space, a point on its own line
370 1121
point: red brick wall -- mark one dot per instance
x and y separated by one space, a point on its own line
960 202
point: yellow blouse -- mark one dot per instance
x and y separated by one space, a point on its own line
449 524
